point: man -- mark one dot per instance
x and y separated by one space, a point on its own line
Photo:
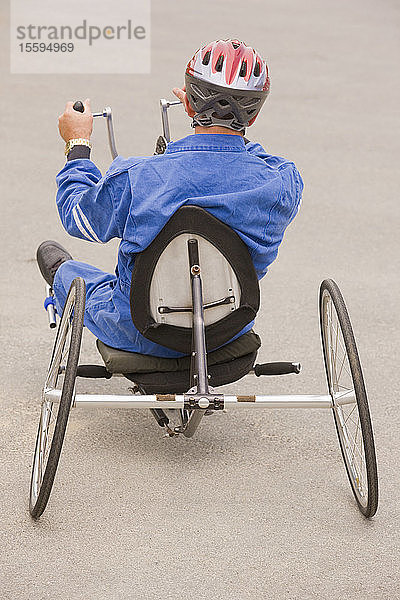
217 168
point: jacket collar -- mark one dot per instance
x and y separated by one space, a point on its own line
213 142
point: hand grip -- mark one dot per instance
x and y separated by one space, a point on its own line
78 106
93 372
277 368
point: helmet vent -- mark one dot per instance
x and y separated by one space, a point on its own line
235 44
257 69
207 57
219 63
243 69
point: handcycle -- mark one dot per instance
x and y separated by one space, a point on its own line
212 296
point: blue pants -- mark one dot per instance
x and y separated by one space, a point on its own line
107 312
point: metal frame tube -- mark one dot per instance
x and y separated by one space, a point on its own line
51 313
177 401
164 105
110 131
279 401
107 114
199 337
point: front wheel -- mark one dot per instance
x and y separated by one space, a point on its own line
55 409
349 396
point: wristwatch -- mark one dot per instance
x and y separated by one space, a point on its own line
76 142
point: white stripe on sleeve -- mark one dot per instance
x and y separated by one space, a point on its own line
87 224
80 226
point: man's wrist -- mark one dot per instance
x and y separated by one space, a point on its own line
78 152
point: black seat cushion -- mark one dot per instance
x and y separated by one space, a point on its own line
178 382
157 375
120 361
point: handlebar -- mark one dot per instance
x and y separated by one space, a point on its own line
162 141
164 105
165 138
107 114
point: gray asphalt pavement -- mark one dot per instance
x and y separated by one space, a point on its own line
256 506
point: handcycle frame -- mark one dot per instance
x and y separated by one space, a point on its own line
200 397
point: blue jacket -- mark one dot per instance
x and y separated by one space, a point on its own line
253 192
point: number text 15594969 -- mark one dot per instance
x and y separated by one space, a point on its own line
43 47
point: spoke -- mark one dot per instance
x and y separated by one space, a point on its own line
336 352
333 351
40 458
48 422
343 424
350 413
336 380
355 423
342 365
346 430
65 351
345 388
334 348
360 472
348 373
359 468
355 437
340 343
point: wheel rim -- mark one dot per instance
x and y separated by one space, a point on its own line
49 410
344 395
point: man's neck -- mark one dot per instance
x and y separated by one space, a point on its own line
217 129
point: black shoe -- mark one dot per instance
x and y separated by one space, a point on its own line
50 255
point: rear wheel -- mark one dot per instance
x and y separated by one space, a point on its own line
350 402
55 410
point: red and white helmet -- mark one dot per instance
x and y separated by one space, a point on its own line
215 75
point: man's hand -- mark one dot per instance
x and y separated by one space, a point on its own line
181 94
73 124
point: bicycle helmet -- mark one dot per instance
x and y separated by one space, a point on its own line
227 83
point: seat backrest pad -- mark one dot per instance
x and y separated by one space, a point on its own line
161 281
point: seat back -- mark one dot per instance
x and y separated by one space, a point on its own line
170 285
161 298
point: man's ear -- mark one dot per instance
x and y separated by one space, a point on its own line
188 107
182 95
